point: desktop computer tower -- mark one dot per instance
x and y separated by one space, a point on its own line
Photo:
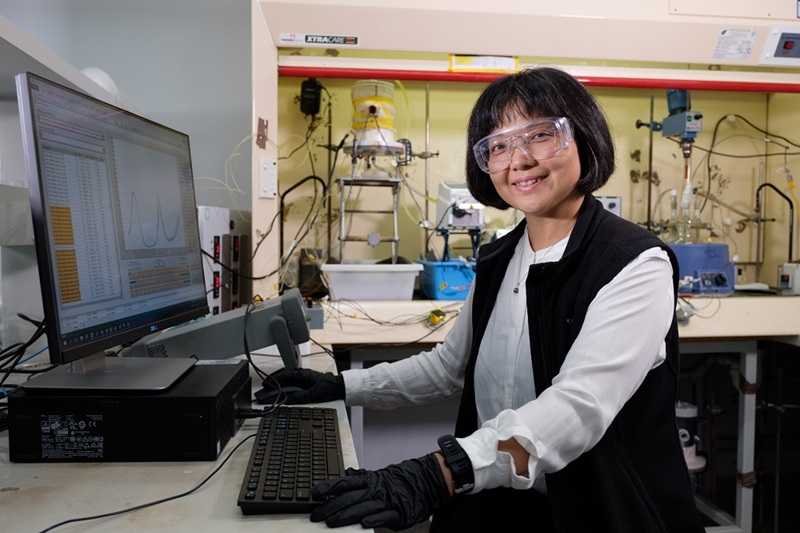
190 421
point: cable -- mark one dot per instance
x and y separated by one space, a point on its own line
231 270
155 502
726 236
760 130
452 312
712 299
312 127
245 414
26 360
430 231
247 312
412 193
280 399
26 318
324 349
316 121
791 212
16 352
261 239
411 342
284 255
765 132
264 236
230 184
298 239
328 197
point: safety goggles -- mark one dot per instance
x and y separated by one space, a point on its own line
539 139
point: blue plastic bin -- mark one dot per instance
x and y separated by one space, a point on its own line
446 280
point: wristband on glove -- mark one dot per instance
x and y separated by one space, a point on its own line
459 464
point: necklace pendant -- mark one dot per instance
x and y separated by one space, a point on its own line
516 290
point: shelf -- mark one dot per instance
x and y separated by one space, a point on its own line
19 52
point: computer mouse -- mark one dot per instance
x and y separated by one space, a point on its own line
269 395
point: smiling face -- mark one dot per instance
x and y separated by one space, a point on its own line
545 189
544 94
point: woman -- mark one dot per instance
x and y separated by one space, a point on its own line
565 354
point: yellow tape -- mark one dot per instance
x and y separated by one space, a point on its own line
379 99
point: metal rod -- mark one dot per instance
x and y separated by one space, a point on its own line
366 238
759 226
396 234
427 162
778 448
379 211
791 212
327 197
729 207
342 234
650 170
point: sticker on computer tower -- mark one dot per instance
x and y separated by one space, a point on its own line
66 436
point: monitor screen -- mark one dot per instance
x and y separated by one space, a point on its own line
114 217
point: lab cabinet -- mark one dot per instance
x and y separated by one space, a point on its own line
722 52
720 65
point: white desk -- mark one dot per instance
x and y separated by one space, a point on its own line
34 496
721 325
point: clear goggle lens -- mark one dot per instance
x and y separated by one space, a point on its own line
539 139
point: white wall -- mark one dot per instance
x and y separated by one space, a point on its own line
184 63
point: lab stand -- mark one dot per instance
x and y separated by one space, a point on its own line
346 186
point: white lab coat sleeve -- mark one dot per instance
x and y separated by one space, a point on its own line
622 339
433 375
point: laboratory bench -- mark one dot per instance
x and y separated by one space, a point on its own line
366 332
35 496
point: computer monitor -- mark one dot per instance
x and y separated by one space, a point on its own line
116 234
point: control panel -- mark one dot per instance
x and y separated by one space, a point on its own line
782 47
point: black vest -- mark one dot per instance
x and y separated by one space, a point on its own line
635 479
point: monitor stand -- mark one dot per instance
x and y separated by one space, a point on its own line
99 372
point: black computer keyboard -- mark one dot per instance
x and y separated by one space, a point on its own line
295 448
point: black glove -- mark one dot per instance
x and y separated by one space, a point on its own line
303 385
396 497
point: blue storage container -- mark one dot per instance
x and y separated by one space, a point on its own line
446 280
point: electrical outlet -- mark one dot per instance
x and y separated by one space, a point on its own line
268 170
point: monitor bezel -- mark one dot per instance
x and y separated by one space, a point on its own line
58 353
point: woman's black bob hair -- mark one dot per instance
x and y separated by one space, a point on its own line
541 92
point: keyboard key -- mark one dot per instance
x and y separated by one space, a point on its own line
295 448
